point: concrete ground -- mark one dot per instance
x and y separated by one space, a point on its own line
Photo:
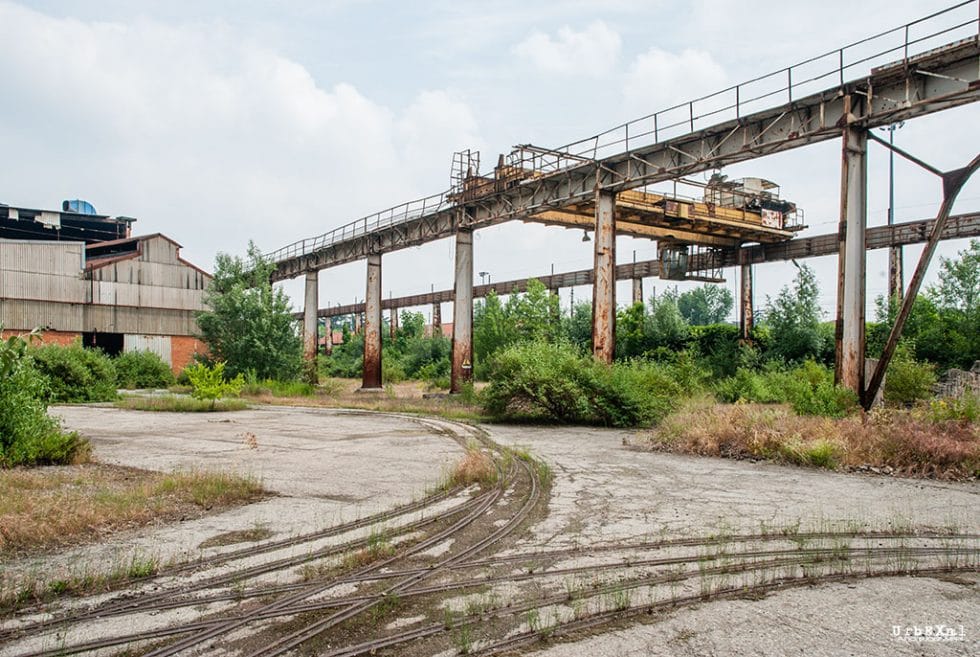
331 466
606 492
325 466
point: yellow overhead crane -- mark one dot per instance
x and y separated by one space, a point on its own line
730 213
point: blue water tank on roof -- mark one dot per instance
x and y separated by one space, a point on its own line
78 206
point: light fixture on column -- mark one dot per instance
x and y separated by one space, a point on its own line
585 236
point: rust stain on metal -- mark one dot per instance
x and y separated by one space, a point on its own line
462 356
372 325
604 280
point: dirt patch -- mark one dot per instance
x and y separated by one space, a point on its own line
241 536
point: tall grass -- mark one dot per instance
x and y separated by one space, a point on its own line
908 442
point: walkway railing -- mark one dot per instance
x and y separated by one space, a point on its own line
895 46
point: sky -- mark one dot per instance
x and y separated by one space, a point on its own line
227 121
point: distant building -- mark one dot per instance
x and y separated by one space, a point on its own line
79 275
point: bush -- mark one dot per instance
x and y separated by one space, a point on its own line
210 384
142 369
75 374
907 380
28 435
809 389
554 383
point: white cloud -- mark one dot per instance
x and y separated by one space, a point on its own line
205 136
658 79
592 51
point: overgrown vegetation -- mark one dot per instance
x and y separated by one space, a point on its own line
179 404
556 383
249 325
915 442
210 384
74 374
141 370
28 435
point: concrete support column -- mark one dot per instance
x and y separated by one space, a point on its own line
637 291
436 319
747 319
310 336
604 281
462 363
328 345
851 288
393 323
372 325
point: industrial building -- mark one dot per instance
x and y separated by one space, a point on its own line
78 275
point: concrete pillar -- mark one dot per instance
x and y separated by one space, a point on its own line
357 323
637 291
462 362
393 323
747 319
310 301
436 319
372 325
328 344
851 288
604 281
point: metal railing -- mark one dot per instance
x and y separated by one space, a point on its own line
809 76
894 46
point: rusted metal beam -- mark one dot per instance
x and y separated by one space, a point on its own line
604 278
310 303
372 325
747 317
953 182
462 360
852 280
880 237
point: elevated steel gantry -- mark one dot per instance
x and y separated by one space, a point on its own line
908 78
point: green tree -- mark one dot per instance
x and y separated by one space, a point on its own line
249 325
793 318
493 328
210 383
577 327
665 325
631 336
535 313
708 304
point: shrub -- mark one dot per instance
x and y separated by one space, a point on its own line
908 381
555 383
964 409
809 389
28 435
210 384
142 369
75 374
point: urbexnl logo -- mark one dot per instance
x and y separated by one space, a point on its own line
928 633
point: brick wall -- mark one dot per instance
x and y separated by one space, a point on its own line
182 350
64 338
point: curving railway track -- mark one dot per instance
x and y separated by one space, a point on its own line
455 577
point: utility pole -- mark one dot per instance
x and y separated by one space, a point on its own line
896 283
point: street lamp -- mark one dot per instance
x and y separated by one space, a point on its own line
896 283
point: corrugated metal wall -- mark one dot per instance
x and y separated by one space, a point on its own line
158 344
44 284
42 270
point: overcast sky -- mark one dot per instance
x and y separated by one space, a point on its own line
233 120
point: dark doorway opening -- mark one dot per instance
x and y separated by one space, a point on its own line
110 343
